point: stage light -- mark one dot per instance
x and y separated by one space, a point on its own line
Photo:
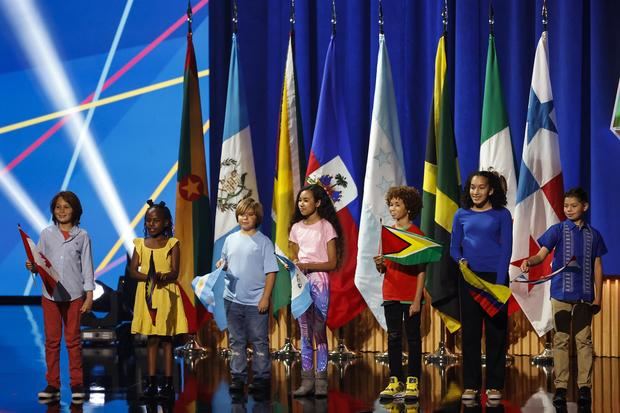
23 203
31 32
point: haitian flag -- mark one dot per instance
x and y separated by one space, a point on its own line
331 165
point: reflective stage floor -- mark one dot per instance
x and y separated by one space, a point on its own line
114 376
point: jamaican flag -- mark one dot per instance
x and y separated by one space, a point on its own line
193 216
440 196
406 248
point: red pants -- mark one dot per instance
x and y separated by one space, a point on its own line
55 315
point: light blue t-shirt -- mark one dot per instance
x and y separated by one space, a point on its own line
249 259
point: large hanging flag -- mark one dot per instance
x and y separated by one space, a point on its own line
331 165
288 175
441 195
384 168
237 175
539 193
495 142
407 248
192 215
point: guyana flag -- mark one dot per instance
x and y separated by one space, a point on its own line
288 175
407 248
440 196
193 216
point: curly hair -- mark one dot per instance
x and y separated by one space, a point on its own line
71 199
410 196
326 210
494 179
578 193
161 206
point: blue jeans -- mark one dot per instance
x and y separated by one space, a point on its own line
247 325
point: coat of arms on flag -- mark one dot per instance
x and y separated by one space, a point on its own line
336 179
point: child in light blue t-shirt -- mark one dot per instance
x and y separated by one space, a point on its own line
251 266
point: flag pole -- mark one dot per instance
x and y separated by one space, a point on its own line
442 357
545 357
192 351
288 352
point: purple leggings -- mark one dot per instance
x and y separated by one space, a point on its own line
312 323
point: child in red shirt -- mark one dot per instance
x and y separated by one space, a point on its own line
402 299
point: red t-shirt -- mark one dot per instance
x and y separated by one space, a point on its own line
401 281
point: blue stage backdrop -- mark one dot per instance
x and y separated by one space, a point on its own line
584 41
138 136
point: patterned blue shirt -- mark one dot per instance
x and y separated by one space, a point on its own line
73 260
585 244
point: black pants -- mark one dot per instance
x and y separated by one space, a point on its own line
472 319
395 312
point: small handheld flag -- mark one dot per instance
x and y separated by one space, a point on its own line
300 288
210 291
406 248
43 266
149 286
571 266
491 297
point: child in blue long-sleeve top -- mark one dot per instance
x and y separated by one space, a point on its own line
482 240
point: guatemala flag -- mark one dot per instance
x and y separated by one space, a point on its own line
301 299
331 165
539 193
237 175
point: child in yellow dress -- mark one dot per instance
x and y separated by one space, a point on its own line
158 309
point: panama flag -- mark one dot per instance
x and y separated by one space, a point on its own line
237 175
192 213
539 193
495 143
288 175
384 168
331 164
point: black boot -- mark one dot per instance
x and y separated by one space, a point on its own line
166 392
150 392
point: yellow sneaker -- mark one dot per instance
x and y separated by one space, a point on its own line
412 392
394 389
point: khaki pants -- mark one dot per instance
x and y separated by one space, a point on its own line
579 317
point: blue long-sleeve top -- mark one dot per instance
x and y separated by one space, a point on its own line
484 239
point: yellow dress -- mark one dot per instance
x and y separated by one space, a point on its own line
167 302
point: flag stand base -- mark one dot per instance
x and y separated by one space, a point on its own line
382 358
342 352
191 350
287 352
441 357
545 358
510 359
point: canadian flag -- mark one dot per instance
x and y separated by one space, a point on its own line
44 267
